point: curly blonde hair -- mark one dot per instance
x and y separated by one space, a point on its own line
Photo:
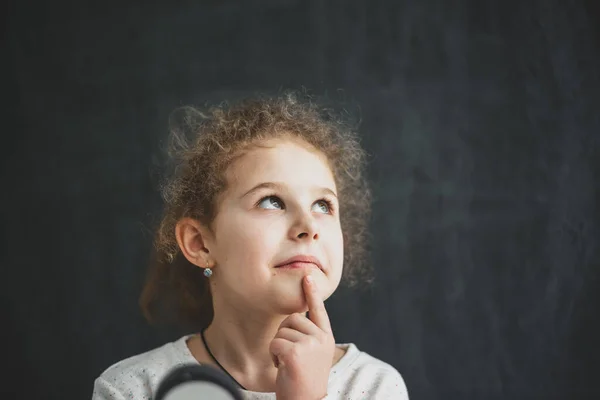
203 143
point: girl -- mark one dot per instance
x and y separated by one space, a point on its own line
266 203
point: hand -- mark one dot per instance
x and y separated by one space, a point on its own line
303 350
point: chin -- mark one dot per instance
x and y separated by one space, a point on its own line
292 304
290 299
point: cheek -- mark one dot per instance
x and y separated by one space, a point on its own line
247 244
340 251
336 246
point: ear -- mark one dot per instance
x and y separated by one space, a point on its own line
192 238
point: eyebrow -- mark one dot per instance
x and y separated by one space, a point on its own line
281 186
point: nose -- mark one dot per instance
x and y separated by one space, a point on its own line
305 228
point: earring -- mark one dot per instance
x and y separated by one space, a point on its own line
207 271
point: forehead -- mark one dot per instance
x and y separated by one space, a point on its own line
291 162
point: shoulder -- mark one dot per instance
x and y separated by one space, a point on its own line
362 375
138 376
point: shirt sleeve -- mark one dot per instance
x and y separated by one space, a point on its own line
390 385
374 382
105 391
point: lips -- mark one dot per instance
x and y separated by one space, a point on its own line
301 259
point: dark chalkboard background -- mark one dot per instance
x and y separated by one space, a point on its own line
482 119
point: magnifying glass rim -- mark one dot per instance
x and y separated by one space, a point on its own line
192 373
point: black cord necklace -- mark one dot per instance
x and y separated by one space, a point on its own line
215 360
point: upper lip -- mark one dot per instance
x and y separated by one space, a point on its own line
302 258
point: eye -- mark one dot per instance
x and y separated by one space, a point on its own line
323 206
271 203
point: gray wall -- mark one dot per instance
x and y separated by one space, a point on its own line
481 119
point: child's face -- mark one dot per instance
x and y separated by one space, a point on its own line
256 230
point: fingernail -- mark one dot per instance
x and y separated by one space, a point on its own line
309 279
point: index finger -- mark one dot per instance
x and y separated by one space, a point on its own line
316 308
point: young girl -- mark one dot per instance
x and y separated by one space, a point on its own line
265 214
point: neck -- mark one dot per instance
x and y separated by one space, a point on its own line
240 342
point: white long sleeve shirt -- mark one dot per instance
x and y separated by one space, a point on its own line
357 375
